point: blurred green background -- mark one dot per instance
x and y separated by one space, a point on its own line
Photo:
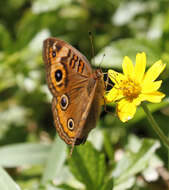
117 156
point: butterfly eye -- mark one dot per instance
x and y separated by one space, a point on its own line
64 102
53 54
70 124
58 75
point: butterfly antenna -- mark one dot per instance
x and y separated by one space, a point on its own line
92 46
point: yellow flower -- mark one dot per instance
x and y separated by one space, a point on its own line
134 86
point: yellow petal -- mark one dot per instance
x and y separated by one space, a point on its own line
125 110
154 97
128 68
115 76
140 66
137 101
151 86
154 71
113 95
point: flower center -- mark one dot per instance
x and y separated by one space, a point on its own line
131 89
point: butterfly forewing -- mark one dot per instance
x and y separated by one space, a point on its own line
60 56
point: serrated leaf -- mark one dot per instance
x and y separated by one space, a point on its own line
88 166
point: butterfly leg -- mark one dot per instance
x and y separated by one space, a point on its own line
104 99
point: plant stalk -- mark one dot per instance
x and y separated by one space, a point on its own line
155 126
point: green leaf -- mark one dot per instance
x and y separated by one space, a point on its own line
6 182
108 185
40 6
55 160
122 16
140 114
108 146
26 24
5 38
66 187
126 184
16 4
23 154
88 166
115 52
133 163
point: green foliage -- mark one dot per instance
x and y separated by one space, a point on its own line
133 163
88 166
6 183
55 160
30 155
12 155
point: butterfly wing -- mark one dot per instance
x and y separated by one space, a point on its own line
69 123
64 65
70 79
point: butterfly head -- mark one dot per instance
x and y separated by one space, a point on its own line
98 74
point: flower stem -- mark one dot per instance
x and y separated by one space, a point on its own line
155 126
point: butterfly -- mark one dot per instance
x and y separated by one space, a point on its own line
77 90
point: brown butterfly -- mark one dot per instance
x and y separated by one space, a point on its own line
77 90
